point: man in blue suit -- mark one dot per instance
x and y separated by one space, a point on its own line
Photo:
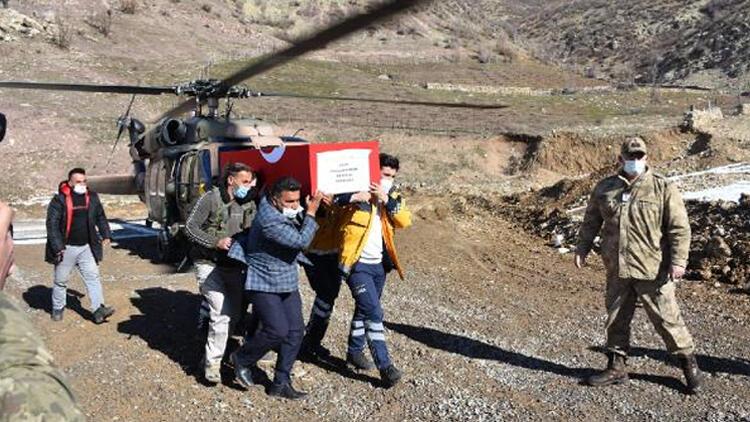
272 249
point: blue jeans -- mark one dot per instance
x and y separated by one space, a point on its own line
82 258
282 326
366 283
325 280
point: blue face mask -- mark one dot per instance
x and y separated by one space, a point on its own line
240 192
634 167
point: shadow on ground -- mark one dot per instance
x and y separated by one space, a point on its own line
40 297
142 247
146 248
476 349
168 324
338 366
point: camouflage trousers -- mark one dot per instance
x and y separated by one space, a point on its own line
660 303
31 388
222 290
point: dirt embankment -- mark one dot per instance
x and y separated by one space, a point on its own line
720 248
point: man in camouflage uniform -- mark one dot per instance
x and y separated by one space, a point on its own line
31 388
218 215
645 245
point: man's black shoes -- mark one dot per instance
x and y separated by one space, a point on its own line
390 375
285 391
314 353
57 314
101 314
243 375
359 361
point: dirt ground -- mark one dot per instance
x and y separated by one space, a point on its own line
490 324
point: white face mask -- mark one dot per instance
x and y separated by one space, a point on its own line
291 213
79 189
386 184
634 167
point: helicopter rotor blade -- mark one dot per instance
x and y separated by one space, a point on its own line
314 42
112 89
384 101
121 123
184 107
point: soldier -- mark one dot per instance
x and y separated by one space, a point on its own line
218 215
73 217
368 253
31 388
645 245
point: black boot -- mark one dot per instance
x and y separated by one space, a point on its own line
616 372
101 314
312 352
390 375
693 374
285 391
359 360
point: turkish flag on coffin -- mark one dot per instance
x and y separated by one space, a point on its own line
332 168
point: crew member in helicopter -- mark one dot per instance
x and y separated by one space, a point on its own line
220 214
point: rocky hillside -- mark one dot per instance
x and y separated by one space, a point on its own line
703 42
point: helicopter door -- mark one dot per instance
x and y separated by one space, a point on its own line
190 186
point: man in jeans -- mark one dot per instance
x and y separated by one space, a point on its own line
73 216
218 215
272 250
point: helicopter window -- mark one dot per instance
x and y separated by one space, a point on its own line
152 176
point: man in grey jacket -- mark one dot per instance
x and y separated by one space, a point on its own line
218 215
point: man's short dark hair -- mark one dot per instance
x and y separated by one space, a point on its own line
387 160
76 170
285 184
233 169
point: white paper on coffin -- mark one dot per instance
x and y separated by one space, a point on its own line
343 171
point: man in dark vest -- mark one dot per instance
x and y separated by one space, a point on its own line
218 215
73 217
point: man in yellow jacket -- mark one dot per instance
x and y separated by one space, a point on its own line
367 254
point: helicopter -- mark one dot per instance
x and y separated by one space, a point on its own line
178 159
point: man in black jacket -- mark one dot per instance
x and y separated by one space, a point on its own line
73 216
